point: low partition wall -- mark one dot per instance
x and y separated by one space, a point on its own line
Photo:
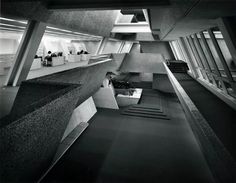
31 133
221 163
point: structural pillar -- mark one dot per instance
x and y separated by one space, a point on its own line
188 57
26 53
222 59
227 26
101 46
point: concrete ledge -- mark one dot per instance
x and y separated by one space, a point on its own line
32 132
219 93
221 163
91 77
30 136
65 145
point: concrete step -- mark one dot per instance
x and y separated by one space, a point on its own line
146 115
145 112
143 106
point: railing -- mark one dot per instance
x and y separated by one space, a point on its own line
220 162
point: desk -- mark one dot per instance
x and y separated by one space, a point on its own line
58 61
74 58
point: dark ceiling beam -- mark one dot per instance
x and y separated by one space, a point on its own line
104 4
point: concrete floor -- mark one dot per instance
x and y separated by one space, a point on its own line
120 148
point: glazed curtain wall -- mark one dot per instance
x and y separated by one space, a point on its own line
208 58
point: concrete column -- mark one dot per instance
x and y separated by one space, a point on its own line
227 26
25 53
223 61
197 57
101 46
212 60
190 51
180 50
173 50
188 56
121 46
204 59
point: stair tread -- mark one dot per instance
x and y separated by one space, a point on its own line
147 106
145 112
146 116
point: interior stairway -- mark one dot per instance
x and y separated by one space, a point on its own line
178 66
145 111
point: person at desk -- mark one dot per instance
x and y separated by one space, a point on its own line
48 59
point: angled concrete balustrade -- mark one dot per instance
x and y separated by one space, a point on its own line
31 133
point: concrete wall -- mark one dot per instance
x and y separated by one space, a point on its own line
118 59
158 47
143 62
30 139
90 77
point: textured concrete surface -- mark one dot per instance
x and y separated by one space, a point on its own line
29 137
160 47
31 133
118 60
93 22
143 62
90 77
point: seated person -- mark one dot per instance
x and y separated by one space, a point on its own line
48 59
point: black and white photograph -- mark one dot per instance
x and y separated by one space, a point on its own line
117 91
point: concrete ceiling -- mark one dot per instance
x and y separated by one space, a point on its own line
169 19
185 17
92 22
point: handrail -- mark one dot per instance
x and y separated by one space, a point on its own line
220 161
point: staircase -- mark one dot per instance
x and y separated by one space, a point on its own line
145 111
